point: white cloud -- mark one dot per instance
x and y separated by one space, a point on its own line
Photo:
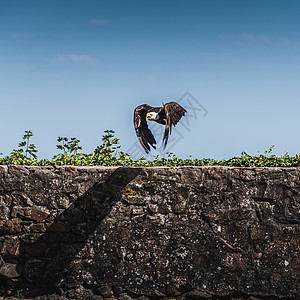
252 37
100 22
81 58
60 57
247 36
77 58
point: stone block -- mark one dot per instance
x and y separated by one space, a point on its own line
11 270
10 247
12 226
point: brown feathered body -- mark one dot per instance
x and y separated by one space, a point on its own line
169 115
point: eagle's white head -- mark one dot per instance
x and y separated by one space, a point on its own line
152 116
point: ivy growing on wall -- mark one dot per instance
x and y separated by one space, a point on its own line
107 154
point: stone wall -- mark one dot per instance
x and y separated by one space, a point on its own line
187 233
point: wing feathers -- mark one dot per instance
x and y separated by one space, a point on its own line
174 112
143 133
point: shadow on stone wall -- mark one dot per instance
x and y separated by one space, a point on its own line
44 262
150 233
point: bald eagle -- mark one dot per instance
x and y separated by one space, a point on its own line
169 115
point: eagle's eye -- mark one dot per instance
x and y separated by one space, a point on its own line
148 116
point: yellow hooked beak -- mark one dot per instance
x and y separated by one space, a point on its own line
148 116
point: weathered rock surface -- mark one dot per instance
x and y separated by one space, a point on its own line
146 233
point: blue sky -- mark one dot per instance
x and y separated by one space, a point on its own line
76 68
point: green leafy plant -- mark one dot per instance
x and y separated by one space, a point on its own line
69 146
109 145
63 145
20 294
108 154
73 146
26 147
25 155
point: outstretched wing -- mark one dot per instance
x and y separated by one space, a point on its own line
174 112
143 133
